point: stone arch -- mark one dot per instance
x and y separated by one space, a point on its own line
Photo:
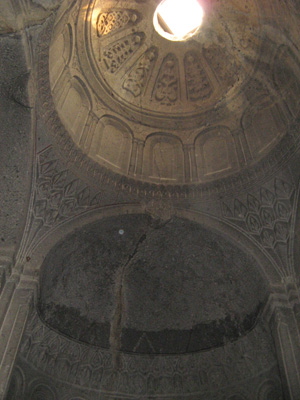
42 391
85 262
286 75
269 390
60 53
263 125
163 158
267 269
296 237
112 143
215 152
75 108
17 385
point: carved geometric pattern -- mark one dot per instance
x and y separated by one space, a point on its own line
204 374
94 172
116 54
197 82
59 195
166 89
113 20
137 78
266 217
224 47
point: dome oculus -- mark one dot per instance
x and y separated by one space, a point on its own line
177 21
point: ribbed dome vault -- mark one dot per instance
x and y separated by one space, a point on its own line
174 112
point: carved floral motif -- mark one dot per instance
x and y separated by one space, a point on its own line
59 195
197 81
113 20
287 147
200 373
167 86
137 78
266 217
116 54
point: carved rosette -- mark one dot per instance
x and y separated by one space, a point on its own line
211 65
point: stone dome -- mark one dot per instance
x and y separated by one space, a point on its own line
150 215
157 111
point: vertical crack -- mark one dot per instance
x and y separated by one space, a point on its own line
117 321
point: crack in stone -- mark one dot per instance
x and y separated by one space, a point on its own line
117 322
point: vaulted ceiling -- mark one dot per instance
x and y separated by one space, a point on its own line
151 189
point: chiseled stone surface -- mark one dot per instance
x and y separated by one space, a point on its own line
47 4
52 366
173 113
150 305
175 286
15 143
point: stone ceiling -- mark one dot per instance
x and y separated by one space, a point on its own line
193 151
174 112
170 288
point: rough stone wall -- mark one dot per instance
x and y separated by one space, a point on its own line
198 289
15 15
15 142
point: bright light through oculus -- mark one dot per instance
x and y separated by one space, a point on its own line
178 19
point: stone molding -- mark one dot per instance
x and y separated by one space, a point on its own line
95 174
91 369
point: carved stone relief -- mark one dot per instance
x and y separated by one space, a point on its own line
42 392
166 90
238 368
267 217
190 65
137 78
197 81
286 77
185 90
59 195
133 106
17 385
110 21
117 53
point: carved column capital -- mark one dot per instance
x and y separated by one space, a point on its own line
282 297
